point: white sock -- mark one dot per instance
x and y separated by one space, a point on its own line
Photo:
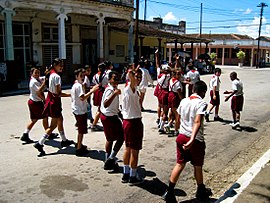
161 124
106 156
126 169
133 172
43 139
62 134
27 131
112 155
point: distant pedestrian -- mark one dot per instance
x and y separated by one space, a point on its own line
111 122
88 85
214 95
133 128
192 77
53 106
190 142
237 101
79 108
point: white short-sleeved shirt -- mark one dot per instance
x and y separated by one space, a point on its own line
104 81
194 76
237 85
163 80
78 106
146 78
54 80
113 108
34 86
214 82
188 109
131 107
86 82
175 85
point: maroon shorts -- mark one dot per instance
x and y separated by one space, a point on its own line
217 101
53 106
163 97
237 103
98 97
81 123
173 100
133 133
195 154
113 128
156 91
36 109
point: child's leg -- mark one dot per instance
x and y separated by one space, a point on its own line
234 116
79 140
96 117
178 168
216 110
108 149
126 160
48 131
30 125
237 116
45 123
198 174
116 148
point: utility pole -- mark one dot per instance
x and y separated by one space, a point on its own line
137 33
145 10
201 28
262 5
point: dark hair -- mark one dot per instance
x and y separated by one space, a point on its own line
102 68
233 74
77 71
199 87
33 69
217 70
87 66
108 64
56 61
141 63
112 73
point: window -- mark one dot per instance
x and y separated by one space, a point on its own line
120 50
50 33
227 53
219 54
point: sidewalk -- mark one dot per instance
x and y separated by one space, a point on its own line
252 186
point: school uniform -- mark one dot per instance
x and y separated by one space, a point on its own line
53 105
194 77
146 78
111 122
132 118
237 101
35 103
173 98
163 93
79 107
104 82
214 82
188 109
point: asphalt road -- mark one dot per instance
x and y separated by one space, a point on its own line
62 177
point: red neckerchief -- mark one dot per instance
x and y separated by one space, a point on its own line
194 97
53 71
193 71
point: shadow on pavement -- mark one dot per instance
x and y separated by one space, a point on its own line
229 193
194 200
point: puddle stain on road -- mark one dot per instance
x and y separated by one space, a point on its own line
55 186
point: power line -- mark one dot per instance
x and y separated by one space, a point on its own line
226 26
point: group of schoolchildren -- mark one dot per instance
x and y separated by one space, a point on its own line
123 124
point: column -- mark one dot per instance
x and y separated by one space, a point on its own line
252 57
131 42
100 40
141 46
223 56
107 42
170 55
191 53
9 51
196 57
62 35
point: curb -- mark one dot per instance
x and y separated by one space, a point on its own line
235 190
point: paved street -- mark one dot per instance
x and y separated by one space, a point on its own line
62 177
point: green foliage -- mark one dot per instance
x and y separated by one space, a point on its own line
213 56
241 55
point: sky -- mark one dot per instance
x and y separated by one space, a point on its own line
218 16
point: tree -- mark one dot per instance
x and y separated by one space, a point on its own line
241 55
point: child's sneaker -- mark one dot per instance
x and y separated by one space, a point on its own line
82 151
136 180
125 178
169 197
203 193
206 116
95 128
67 143
25 138
109 164
161 131
167 129
53 136
39 147
218 119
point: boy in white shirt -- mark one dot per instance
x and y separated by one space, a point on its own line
214 95
190 142
133 128
237 101
111 122
79 108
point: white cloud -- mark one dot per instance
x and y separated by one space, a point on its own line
253 31
248 11
169 17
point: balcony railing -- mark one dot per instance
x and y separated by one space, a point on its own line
128 3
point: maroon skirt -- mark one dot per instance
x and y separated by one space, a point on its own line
98 96
212 101
53 106
156 91
36 109
163 97
173 100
